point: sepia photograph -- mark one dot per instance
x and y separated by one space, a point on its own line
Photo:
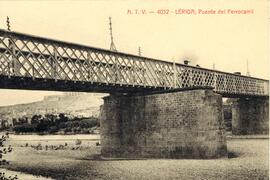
134 90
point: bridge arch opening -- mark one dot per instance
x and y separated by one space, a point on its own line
246 116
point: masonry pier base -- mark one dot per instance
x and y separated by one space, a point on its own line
181 124
250 116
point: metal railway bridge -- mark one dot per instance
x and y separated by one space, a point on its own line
37 63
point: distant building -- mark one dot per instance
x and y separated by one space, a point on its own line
72 93
52 98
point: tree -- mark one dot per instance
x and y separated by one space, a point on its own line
35 119
4 150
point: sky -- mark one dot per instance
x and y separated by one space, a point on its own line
226 40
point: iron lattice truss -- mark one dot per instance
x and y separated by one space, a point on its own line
27 56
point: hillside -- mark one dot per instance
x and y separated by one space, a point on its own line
79 104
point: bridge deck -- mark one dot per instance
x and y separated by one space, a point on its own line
31 62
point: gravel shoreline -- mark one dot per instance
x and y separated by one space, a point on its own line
249 160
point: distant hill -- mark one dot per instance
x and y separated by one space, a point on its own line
79 104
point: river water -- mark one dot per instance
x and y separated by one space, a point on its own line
34 137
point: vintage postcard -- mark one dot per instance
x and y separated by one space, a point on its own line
134 90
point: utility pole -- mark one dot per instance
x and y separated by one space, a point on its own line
112 46
8 24
248 73
139 51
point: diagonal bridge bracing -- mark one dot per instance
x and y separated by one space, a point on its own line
31 62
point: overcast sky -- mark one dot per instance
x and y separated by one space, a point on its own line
226 40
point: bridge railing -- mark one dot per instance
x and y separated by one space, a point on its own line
23 55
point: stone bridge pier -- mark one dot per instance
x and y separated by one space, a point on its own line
177 124
250 116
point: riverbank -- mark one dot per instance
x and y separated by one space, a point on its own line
23 176
248 160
